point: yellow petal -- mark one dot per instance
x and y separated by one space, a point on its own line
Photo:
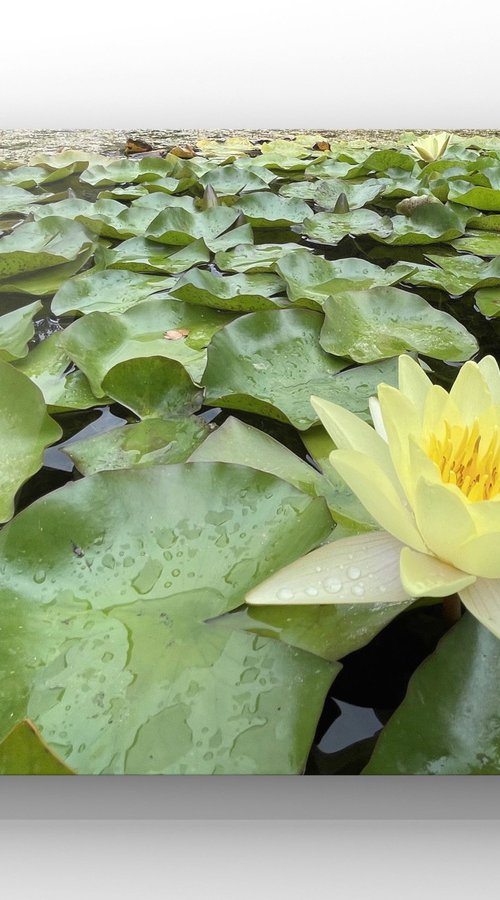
349 432
470 392
481 555
486 517
413 382
425 576
361 569
482 599
378 495
488 367
443 520
438 407
401 420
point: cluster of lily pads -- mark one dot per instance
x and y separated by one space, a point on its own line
203 301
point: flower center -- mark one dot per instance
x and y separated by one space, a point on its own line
465 459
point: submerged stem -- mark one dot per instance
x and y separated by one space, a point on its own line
452 609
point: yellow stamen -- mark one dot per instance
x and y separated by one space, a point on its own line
459 459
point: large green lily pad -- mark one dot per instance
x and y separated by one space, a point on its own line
153 387
39 245
267 210
140 255
231 292
179 226
99 341
251 258
128 677
312 277
270 362
448 721
27 430
107 291
386 321
331 228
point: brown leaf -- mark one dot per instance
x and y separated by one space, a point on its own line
322 145
136 145
186 152
176 334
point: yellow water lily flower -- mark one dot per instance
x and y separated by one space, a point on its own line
429 474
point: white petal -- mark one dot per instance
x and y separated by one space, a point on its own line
361 569
425 576
376 414
482 599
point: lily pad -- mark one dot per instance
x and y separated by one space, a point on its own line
99 341
485 198
331 228
16 330
448 721
384 322
252 258
153 387
268 210
270 362
23 752
481 243
231 292
431 223
152 442
27 431
229 180
15 199
309 276
129 677
49 367
108 291
180 227
328 192
39 245
140 255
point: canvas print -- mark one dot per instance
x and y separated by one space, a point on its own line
249 453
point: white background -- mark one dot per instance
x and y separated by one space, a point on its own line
315 64
249 63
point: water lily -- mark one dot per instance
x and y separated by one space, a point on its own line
429 474
431 147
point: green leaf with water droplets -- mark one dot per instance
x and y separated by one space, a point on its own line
448 722
244 293
270 362
99 341
152 442
384 322
106 291
109 583
40 245
331 228
26 431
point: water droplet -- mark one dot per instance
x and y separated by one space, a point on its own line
147 577
312 592
39 576
353 572
284 594
176 572
358 590
332 585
